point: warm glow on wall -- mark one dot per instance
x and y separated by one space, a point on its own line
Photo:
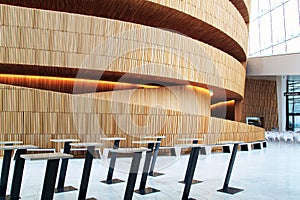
199 89
67 85
222 104
223 110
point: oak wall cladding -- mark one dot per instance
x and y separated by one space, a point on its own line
171 98
88 69
85 42
261 101
44 115
222 27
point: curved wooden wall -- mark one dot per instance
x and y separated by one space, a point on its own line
118 38
73 41
222 26
36 116
186 98
243 7
223 16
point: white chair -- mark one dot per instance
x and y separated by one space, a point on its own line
296 137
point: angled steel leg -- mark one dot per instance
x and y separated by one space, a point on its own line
109 179
190 172
189 166
86 173
142 189
63 171
132 175
152 173
49 179
226 189
18 175
5 173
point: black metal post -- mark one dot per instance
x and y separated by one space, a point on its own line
190 172
189 166
132 175
142 189
146 168
112 163
63 172
225 188
5 172
18 175
86 172
152 173
49 180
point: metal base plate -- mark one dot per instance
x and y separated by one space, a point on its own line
115 180
230 190
65 189
155 174
147 190
193 182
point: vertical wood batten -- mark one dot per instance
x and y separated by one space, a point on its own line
38 123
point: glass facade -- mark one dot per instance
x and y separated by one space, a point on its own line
293 103
274 27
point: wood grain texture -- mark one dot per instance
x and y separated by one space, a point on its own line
186 98
222 27
157 42
224 16
36 116
86 43
243 7
261 101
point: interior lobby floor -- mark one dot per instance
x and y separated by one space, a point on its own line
270 173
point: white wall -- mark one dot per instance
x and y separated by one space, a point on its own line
288 64
279 66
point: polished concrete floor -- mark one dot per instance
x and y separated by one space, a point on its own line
271 173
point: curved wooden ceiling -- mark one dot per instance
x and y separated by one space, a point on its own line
146 13
242 8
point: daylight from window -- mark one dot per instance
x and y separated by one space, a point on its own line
274 27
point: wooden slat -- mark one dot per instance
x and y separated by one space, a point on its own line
261 101
138 49
88 119
222 27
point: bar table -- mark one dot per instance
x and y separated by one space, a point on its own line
142 190
51 170
8 143
226 188
190 168
64 165
87 167
194 141
18 169
109 179
158 138
5 166
135 163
